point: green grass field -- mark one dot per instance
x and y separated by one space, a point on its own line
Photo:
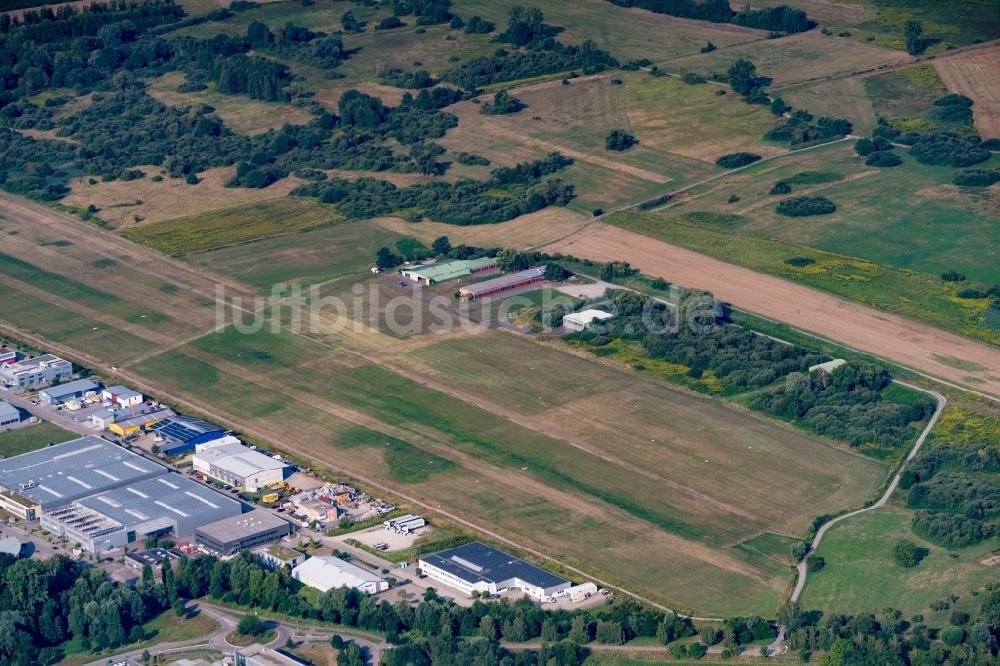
312 256
222 228
861 574
627 34
527 481
905 92
31 437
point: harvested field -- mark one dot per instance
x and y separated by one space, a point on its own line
976 74
120 201
886 335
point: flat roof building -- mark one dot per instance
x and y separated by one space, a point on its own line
122 396
32 373
183 433
503 284
275 556
167 504
63 473
238 465
19 505
578 321
154 557
327 573
124 425
9 414
57 395
448 270
231 535
476 567
258 655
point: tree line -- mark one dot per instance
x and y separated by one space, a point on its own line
780 18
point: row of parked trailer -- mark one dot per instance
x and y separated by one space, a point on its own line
405 524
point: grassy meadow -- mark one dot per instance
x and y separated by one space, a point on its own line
31 437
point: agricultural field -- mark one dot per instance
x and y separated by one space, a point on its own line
627 33
406 409
845 98
904 218
793 59
977 75
679 252
31 437
905 92
233 226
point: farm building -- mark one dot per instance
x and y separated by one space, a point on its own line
449 270
121 396
19 505
183 433
503 284
275 556
57 395
9 414
63 473
478 567
130 425
167 504
578 321
237 465
327 573
233 534
32 373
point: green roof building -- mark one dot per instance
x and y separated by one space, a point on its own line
448 270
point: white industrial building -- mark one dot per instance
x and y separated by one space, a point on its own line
122 396
237 465
167 504
476 567
578 321
405 524
9 414
31 373
327 573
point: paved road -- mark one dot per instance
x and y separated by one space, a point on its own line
227 620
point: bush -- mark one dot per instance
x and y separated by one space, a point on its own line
972 293
952 635
800 261
947 149
503 104
619 140
736 160
693 79
976 177
952 276
907 554
389 23
781 187
883 159
805 206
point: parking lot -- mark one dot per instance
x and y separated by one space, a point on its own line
373 536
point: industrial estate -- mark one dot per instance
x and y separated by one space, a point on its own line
520 333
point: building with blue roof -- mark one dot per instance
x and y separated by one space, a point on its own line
476 567
57 395
182 434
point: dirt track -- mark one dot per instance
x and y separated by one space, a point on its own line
888 336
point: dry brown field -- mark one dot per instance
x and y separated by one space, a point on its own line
976 74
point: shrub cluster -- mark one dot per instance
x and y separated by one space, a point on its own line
619 140
736 160
805 206
976 177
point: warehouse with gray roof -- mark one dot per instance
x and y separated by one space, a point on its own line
231 535
63 473
167 504
476 567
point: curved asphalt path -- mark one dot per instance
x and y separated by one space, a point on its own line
802 567
228 619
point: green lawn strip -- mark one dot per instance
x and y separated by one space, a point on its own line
165 628
31 437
